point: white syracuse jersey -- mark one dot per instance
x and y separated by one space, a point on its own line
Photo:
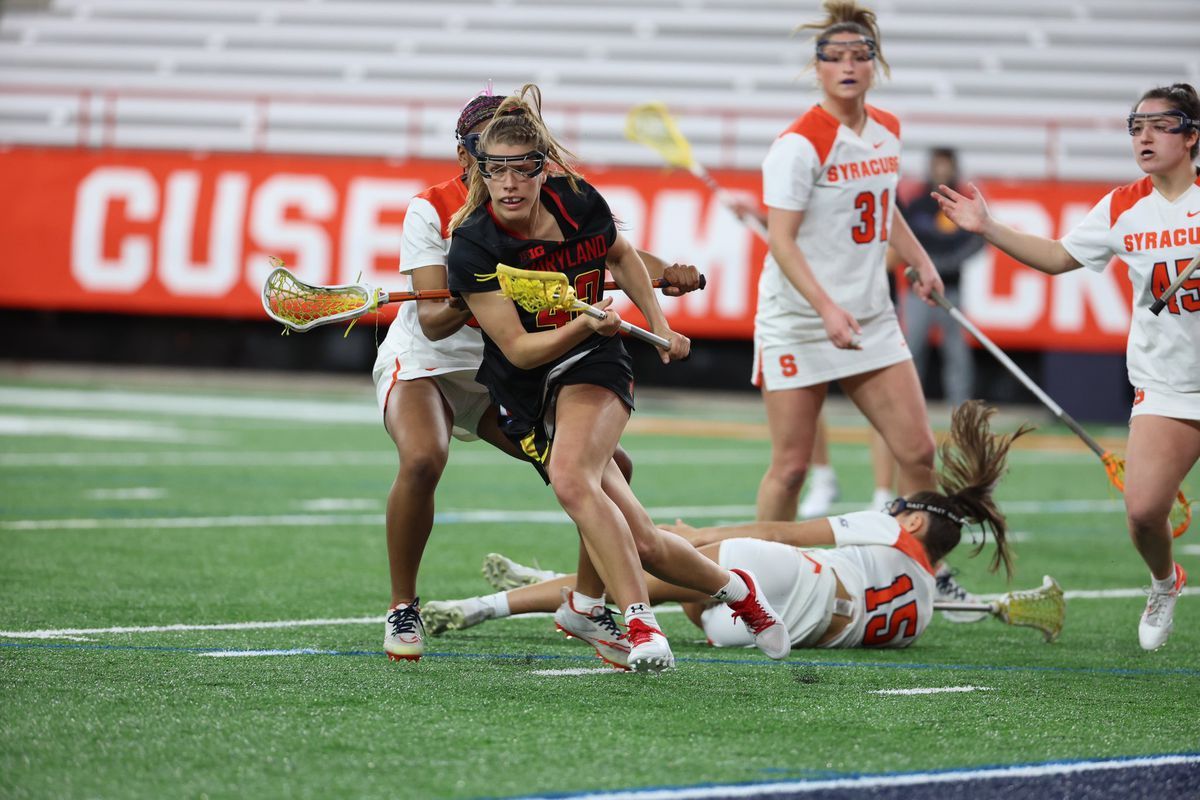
424 243
1157 239
886 572
845 184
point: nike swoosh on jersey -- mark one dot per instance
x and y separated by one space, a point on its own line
1193 213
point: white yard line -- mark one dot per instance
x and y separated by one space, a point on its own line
103 429
932 690
128 493
68 633
303 651
554 673
476 516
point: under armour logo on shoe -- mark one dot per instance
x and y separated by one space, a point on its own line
637 608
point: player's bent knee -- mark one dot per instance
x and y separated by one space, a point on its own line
421 470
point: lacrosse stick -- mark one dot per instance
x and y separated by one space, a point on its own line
1181 511
538 291
301 306
651 124
1158 305
1043 608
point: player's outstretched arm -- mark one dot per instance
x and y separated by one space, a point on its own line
968 210
809 533
630 273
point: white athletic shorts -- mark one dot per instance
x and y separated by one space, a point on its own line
800 590
781 364
1164 402
468 400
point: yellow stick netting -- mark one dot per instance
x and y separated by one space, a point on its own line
532 290
651 124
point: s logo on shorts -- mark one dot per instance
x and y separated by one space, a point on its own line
1138 395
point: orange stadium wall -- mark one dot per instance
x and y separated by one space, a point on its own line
172 233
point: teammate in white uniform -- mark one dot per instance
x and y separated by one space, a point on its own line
874 587
425 385
824 310
1151 225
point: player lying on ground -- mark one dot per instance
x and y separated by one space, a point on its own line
875 588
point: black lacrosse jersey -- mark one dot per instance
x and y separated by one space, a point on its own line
482 241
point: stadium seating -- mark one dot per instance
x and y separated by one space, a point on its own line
1025 88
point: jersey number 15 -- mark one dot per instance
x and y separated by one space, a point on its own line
882 628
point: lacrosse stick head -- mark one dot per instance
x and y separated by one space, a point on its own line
652 125
301 306
534 291
1043 608
1181 510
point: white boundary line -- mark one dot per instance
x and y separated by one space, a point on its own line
67 633
765 790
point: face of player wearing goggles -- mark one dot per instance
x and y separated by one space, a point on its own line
845 65
514 175
1161 142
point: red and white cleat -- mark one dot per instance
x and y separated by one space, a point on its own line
770 634
649 650
597 627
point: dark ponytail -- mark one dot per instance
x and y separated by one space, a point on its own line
973 461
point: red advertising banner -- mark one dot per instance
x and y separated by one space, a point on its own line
177 233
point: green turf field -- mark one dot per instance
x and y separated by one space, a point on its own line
149 503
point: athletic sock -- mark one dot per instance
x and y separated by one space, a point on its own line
1166 584
496 604
584 604
821 472
641 611
733 591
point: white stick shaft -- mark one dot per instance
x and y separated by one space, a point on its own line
964 607
726 199
1158 305
632 330
1008 363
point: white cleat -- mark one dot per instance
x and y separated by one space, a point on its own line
822 492
649 651
453 615
1158 618
504 574
770 634
948 590
404 633
597 627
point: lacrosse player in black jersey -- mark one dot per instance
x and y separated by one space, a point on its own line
564 378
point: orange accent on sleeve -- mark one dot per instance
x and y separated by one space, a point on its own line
887 120
1126 198
446 198
907 543
819 127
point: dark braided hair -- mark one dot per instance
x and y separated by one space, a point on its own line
479 109
973 461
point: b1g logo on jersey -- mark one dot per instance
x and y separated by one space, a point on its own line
534 252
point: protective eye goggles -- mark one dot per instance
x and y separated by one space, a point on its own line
526 165
862 49
900 505
1173 121
470 143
